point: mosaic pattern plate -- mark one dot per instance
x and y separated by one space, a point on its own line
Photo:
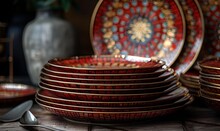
211 11
195 34
138 27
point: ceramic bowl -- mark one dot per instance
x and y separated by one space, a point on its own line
111 91
210 66
162 77
179 102
112 117
109 97
13 93
110 86
169 98
106 64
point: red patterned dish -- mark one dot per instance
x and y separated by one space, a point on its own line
169 98
109 97
106 64
137 27
13 93
110 86
210 66
195 31
162 77
104 76
211 11
179 102
112 117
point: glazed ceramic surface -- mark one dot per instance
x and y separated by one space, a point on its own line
211 11
138 27
106 64
195 31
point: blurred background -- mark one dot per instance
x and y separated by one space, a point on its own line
14 16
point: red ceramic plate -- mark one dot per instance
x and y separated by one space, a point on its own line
210 65
112 117
179 102
211 11
106 64
169 98
109 97
110 86
162 77
104 76
13 93
138 27
195 34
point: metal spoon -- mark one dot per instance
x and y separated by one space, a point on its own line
29 120
17 112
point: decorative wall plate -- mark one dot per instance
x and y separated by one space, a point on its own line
138 27
195 34
211 11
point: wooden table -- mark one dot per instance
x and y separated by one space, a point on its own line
193 118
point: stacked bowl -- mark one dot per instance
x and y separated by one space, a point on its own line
109 89
190 80
210 82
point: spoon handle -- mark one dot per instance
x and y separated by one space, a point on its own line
42 126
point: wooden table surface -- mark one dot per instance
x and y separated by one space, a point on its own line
193 118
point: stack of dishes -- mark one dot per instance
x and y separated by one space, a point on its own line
110 89
210 82
190 80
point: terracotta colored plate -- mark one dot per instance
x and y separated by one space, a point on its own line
13 93
211 11
169 98
113 117
104 76
138 27
210 65
195 31
106 64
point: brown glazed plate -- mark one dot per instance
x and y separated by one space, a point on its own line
179 102
138 27
112 117
13 92
110 86
210 65
169 98
162 77
109 97
106 64
46 69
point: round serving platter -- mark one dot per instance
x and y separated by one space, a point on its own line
138 27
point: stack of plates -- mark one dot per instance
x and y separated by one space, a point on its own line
190 80
110 89
210 82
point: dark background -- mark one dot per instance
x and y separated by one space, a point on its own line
17 13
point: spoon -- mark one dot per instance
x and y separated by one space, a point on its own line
17 112
29 120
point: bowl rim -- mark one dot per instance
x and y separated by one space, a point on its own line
208 75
